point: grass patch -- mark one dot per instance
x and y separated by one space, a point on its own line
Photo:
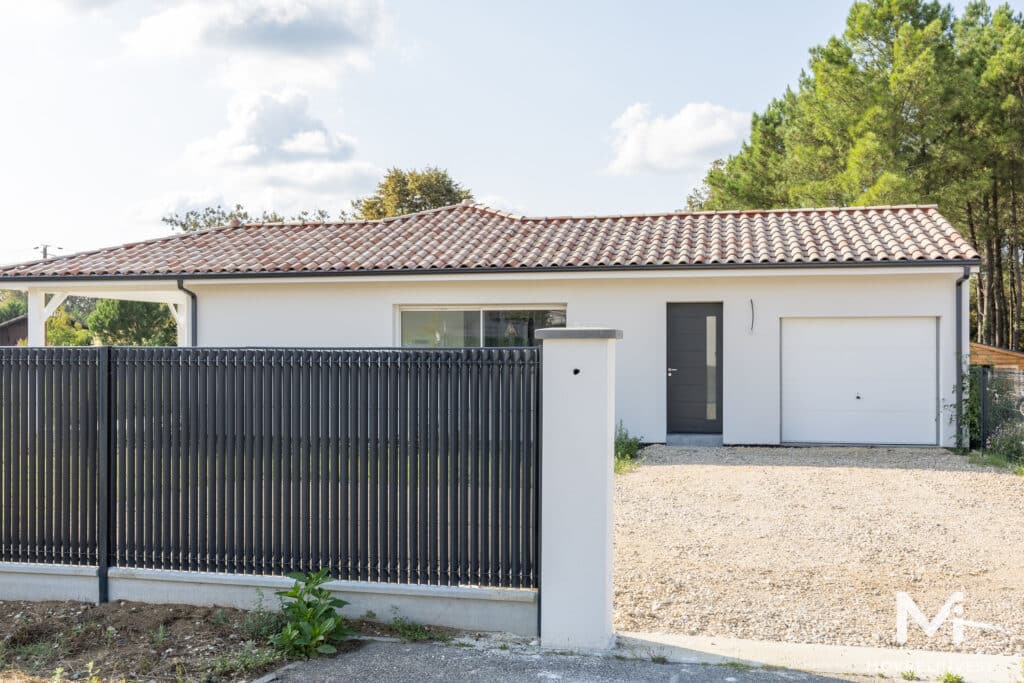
738 666
909 676
949 677
997 460
411 632
251 659
659 659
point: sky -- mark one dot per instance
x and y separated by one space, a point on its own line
116 113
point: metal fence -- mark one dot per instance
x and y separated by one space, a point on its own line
996 402
402 466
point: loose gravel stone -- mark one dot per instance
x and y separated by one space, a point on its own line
811 545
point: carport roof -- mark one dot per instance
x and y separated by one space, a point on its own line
470 237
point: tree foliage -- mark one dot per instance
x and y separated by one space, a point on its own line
215 216
132 323
402 192
12 304
63 330
910 104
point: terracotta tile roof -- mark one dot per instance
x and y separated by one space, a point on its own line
474 237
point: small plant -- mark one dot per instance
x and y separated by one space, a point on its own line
949 677
909 676
627 448
313 625
261 624
58 675
92 673
219 617
160 635
626 445
1008 441
411 632
370 615
109 634
659 659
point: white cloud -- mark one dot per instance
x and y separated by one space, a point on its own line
266 128
274 154
266 43
683 143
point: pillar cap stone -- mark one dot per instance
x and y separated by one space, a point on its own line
578 333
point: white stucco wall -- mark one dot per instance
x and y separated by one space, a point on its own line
363 311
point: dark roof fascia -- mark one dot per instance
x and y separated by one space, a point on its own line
922 263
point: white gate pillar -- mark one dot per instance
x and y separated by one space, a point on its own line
577 487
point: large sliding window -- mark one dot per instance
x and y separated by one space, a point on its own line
477 326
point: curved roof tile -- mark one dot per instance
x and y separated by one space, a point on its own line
470 236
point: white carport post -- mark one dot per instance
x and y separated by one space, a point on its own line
39 311
577 487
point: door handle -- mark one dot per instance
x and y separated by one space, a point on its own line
671 370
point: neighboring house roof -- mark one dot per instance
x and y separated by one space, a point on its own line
983 354
14 321
471 237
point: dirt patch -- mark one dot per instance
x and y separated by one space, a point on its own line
136 641
130 641
811 545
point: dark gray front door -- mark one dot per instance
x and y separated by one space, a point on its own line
694 368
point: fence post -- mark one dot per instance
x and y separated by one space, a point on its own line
103 474
983 403
577 487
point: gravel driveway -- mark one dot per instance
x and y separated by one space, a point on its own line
811 545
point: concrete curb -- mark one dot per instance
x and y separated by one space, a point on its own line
823 659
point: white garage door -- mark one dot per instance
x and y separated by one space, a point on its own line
859 380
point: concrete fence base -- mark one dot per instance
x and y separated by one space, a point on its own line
462 607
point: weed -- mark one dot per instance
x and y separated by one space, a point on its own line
92 673
58 675
909 676
659 659
503 646
370 615
261 624
949 677
313 625
219 617
738 666
627 448
250 659
411 632
39 655
108 635
160 635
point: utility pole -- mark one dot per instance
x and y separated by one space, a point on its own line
44 249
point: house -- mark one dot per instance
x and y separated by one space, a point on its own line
840 325
13 330
995 357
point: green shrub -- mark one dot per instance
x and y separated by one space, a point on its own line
1008 441
626 445
314 626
